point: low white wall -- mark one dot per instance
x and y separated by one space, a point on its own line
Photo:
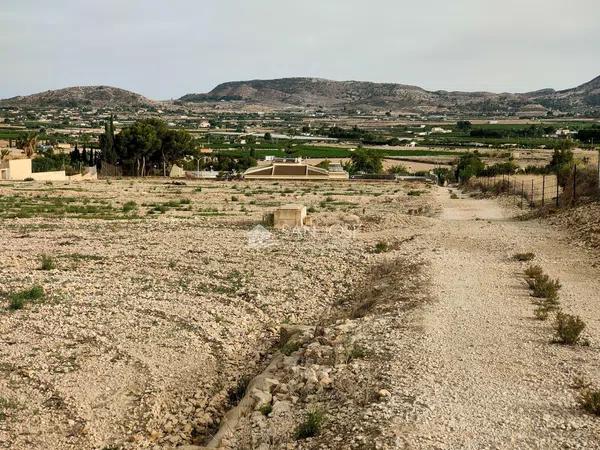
58 175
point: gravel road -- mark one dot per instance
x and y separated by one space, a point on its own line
481 372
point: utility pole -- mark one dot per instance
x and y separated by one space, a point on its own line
598 168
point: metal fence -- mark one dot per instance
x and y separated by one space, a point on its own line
538 191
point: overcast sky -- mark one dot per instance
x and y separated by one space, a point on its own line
164 49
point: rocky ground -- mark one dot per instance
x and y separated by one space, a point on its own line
452 356
401 320
155 313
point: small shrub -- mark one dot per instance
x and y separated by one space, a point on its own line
414 193
590 401
47 262
19 299
129 206
311 209
312 424
354 352
541 313
266 409
234 198
568 328
524 256
534 272
381 247
453 196
544 287
546 306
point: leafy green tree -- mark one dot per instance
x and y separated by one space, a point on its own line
135 144
151 142
367 161
464 126
469 165
561 163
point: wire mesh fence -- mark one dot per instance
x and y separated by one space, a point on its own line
537 191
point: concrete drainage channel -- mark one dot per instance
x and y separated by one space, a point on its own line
259 389
339 368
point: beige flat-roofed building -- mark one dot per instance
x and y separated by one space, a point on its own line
293 171
20 169
15 169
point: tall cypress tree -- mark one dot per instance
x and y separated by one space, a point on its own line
75 156
107 142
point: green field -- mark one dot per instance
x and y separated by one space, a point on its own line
310 151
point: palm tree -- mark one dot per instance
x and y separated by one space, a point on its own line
28 143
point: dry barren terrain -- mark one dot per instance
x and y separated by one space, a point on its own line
399 319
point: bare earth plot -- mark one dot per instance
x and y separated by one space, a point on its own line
416 330
157 311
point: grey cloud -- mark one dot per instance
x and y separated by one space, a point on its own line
166 49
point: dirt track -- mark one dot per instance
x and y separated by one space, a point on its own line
483 373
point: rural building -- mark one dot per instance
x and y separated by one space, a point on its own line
289 216
15 169
294 171
20 170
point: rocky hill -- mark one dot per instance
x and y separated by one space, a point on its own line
94 96
327 94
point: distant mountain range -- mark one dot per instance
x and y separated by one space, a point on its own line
336 95
94 96
316 93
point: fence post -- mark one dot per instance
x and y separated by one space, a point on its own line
574 183
532 198
543 189
557 192
522 192
598 169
